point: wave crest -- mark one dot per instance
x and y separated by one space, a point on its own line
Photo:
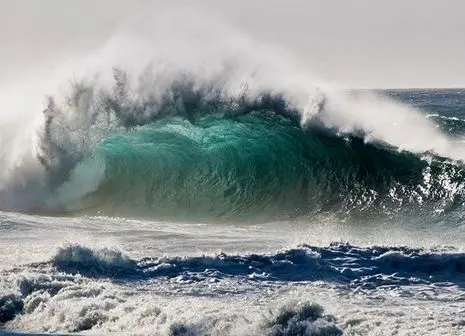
179 146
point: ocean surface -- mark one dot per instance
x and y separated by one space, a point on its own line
198 207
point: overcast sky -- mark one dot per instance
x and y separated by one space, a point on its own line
371 43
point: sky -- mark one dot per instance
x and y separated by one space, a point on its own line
362 43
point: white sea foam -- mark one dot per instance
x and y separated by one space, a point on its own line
110 293
170 279
153 59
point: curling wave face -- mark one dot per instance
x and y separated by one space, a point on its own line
194 149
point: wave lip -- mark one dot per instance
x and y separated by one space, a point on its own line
179 146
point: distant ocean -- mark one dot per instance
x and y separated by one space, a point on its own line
175 204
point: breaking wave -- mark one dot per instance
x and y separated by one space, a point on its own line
340 263
180 146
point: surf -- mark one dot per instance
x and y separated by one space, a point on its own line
232 141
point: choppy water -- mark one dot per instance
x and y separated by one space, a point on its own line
177 204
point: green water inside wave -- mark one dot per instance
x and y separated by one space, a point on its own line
251 167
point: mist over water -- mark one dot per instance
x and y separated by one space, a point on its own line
217 110
184 164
